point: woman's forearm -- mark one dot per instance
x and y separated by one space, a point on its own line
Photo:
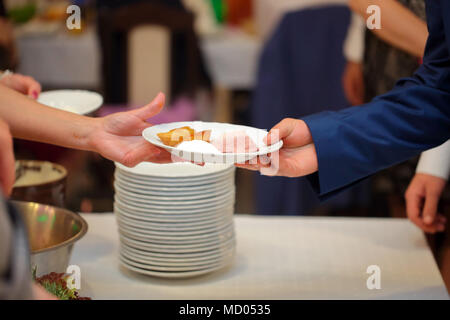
30 120
399 26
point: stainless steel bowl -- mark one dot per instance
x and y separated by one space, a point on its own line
52 233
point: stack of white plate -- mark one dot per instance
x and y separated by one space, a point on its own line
175 220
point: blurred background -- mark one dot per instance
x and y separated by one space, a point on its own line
251 62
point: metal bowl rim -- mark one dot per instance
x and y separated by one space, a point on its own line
79 235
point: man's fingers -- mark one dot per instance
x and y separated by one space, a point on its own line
430 207
281 130
151 109
293 132
414 204
413 208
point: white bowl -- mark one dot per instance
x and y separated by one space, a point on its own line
77 101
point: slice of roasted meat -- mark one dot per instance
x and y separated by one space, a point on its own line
174 137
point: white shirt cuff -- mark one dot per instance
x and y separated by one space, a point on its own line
436 161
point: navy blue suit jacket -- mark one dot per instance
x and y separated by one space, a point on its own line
356 142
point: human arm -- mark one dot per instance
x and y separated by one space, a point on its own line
7 166
400 27
116 137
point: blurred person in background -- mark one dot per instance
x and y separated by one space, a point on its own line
379 57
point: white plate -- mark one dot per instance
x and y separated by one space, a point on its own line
177 248
173 237
76 101
199 244
176 183
180 264
188 220
175 201
217 129
181 216
174 226
213 229
175 170
223 235
148 266
176 257
138 190
169 196
184 263
173 207
200 179
215 222
179 257
173 275
175 215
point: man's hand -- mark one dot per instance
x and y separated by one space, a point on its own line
23 84
422 198
353 83
118 137
7 163
296 158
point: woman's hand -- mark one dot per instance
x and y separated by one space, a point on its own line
118 137
7 163
422 198
296 158
23 84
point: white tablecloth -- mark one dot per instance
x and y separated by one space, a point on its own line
278 258
61 60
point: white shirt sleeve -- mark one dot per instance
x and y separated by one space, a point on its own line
436 161
354 41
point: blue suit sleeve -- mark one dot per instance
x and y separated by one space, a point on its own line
356 142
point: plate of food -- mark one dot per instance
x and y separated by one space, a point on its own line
77 101
210 142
